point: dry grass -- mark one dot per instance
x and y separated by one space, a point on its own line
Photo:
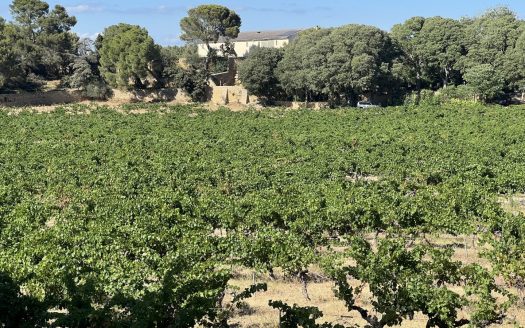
514 204
260 314
358 177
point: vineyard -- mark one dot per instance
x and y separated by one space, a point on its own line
150 215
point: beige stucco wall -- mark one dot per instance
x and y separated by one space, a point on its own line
231 95
242 48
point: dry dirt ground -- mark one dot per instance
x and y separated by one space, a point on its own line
514 204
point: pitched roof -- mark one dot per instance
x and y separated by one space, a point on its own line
265 35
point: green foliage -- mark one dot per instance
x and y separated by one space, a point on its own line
128 56
407 37
298 71
258 73
121 219
432 49
87 79
441 47
43 38
485 81
461 94
16 309
507 250
193 80
182 68
208 23
490 36
296 316
9 64
171 67
405 281
338 64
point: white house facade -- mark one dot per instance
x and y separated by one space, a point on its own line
247 40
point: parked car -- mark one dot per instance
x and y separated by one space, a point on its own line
366 104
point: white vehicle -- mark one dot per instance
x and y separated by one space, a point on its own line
366 104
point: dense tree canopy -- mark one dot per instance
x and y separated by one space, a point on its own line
407 37
441 48
128 56
485 81
338 64
258 72
299 72
43 39
9 64
437 51
86 75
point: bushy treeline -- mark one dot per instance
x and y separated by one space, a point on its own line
481 58
38 45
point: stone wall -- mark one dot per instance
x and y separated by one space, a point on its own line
231 95
39 98
228 78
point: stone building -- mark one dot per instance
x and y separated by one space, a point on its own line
225 88
246 40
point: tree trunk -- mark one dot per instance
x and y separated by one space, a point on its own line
306 97
445 78
418 88
208 57
303 276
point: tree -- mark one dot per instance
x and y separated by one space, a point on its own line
128 56
300 69
29 14
407 37
59 44
338 65
207 23
366 55
85 73
441 47
405 281
431 50
516 67
44 40
485 81
491 39
193 80
8 60
182 68
171 65
489 36
258 72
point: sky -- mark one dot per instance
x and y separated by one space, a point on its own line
161 17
